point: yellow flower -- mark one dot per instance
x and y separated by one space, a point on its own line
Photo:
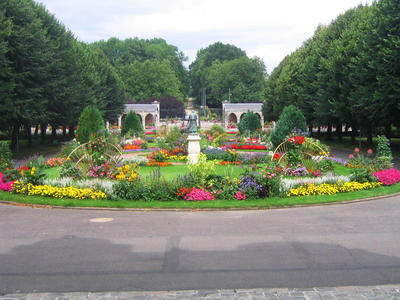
33 171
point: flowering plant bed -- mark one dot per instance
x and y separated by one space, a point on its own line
249 147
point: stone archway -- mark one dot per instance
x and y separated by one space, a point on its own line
148 113
149 120
140 118
230 111
242 115
232 118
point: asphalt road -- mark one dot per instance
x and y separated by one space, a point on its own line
62 250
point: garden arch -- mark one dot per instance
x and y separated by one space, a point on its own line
149 120
235 111
232 118
148 113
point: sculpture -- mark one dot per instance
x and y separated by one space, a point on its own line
193 124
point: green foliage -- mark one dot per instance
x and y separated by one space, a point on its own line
5 153
69 169
362 175
383 148
249 123
90 122
151 78
203 168
154 188
325 165
131 124
245 77
217 129
346 74
291 118
221 67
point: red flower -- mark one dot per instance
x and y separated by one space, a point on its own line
277 156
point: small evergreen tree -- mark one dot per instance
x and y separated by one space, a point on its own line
383 148
131 124
90 122
250 122
291 118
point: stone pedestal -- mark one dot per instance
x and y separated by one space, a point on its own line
193 148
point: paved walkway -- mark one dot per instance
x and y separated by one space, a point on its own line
331 293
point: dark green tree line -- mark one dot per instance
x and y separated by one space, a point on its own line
346 75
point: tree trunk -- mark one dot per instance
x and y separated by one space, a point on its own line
388 131
15 138
329 132
339 131
71 131
29 134
369 135
310 128
43 128
353 133
53 133
36 130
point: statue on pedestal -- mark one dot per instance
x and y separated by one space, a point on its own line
193 124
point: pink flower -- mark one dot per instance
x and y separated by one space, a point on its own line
388 177
351 156
370 151
356 150
240 196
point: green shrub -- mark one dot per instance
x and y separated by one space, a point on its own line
249 123
5 156
290 119
217 129
203 168
362 175
383 148
131 124
90 122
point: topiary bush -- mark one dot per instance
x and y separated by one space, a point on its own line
291 118
131 124
90 122
250 122
383 148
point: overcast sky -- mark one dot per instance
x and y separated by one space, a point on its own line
269 29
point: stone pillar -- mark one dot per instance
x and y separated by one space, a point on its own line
193 148
119 121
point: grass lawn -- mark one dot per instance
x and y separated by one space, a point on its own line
217 204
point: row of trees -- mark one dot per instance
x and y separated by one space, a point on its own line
149 68
347 74
47 76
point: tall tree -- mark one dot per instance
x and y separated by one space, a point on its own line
198 69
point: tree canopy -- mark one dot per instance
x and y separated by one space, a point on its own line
346 75
223 67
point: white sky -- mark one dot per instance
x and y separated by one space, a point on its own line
269 29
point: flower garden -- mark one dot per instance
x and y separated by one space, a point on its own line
250 167
234 170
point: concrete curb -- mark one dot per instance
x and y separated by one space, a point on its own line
4 202
378 292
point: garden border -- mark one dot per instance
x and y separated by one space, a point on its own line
44 206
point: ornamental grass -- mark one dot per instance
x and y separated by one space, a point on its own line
56 192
